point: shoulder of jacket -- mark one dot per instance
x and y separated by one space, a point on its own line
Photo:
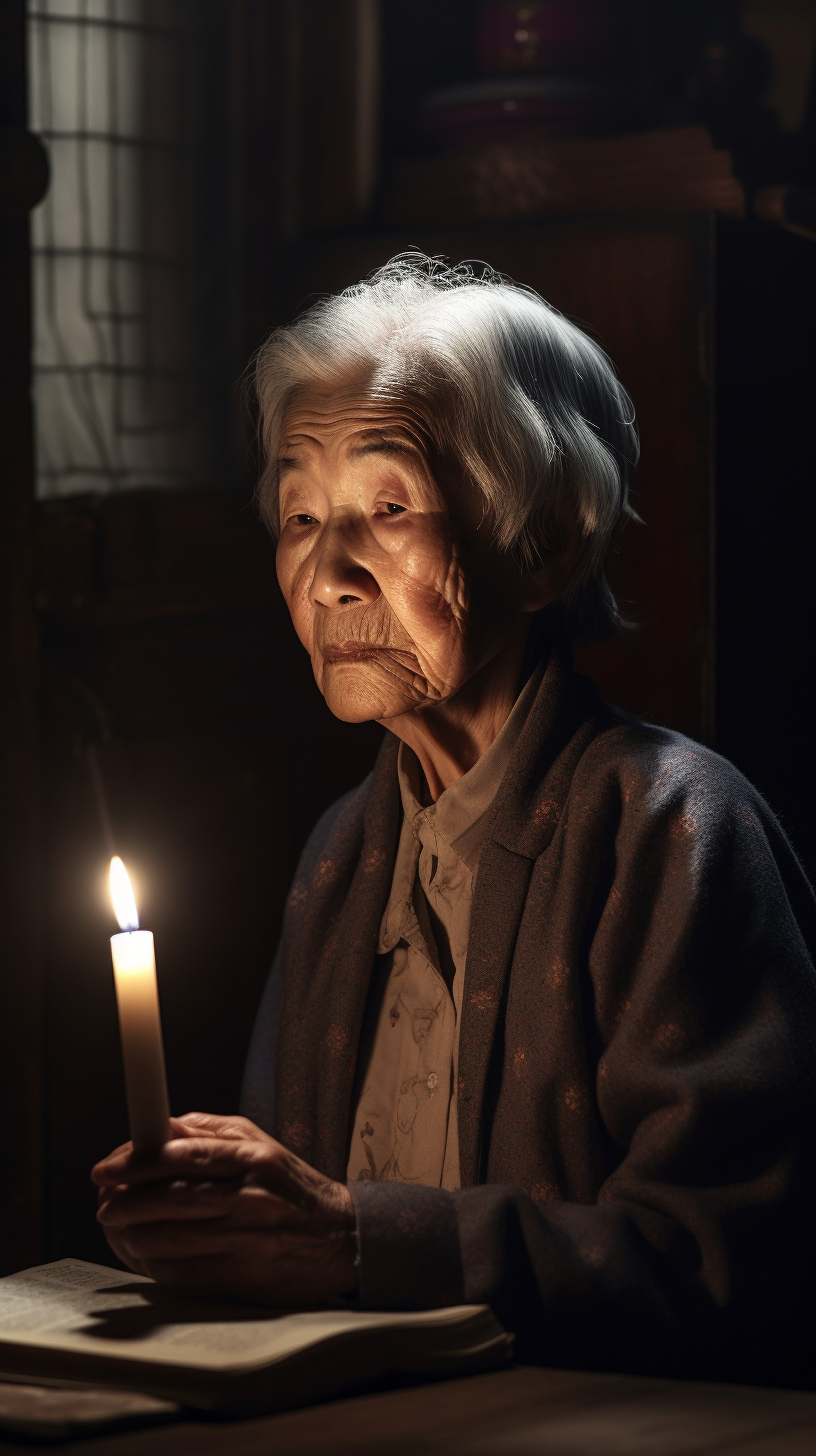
645 765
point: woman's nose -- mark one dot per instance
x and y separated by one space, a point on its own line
340 578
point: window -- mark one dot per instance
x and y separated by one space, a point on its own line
133 257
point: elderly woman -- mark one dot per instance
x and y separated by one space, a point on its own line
541 1027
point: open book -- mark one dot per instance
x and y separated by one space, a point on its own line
72 1321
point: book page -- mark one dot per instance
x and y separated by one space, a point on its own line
87 1308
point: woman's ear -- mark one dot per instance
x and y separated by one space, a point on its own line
548 582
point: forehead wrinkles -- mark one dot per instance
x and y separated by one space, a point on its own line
336 412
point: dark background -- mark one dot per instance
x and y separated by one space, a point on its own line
146 627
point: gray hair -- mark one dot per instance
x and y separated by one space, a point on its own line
518 397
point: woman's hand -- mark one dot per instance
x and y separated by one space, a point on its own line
225 1210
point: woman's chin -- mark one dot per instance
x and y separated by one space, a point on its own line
358 692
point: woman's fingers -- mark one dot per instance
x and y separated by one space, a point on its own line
188 1156
196 1199
117 1243
180 1199
220 1276
214 1276
224 1208
284 1270
208 1239
124 1165
286 1266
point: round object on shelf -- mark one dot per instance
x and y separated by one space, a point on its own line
555 35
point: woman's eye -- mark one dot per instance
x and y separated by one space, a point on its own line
304 520
393 509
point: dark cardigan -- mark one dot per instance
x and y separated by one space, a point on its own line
637 1065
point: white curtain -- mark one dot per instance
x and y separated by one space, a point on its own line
113 246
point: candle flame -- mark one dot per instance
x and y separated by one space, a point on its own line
124 905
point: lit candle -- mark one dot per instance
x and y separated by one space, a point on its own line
134 970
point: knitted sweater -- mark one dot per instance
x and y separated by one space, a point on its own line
637 1056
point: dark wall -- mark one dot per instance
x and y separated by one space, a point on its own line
21 1093
766 517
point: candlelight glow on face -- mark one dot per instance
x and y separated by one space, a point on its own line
124 905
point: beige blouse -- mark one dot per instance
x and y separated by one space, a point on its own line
405 1128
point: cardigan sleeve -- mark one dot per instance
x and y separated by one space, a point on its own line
258 1099
258 1085
697 1257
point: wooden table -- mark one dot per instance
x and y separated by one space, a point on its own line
517 1412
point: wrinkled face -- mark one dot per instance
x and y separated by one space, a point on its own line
391 586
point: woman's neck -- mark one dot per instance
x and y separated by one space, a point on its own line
451 736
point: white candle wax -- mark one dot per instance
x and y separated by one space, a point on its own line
134 969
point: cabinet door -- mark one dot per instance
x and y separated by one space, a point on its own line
641 288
